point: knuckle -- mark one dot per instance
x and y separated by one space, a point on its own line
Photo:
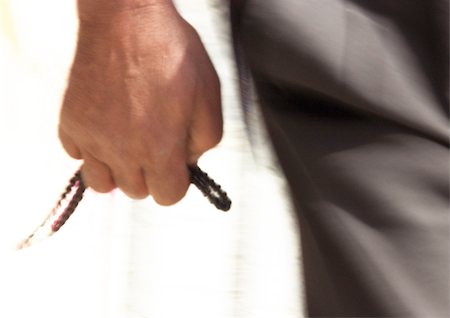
169 198
211 140
103 187
129 179
173 191
69 145
72 151
98 184
135 192
215 138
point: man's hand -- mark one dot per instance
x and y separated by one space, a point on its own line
143 102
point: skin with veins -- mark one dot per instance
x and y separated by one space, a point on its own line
142 102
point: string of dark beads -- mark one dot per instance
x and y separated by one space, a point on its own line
68 189
210 188
73 203
72 182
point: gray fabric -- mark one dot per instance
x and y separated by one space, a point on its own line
355 96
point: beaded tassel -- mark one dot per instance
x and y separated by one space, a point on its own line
210 189
68 211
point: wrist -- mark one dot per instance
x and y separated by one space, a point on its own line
100 12
131 31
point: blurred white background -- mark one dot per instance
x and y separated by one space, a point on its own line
117 257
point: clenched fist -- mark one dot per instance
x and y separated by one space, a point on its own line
142 102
